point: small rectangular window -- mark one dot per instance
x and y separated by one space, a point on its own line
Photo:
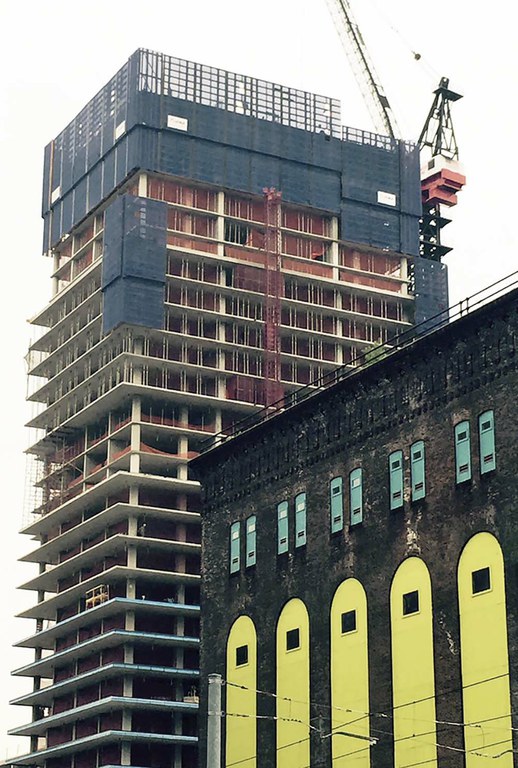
292 639
410 602
241 655
348 621
396 479
251 541
417 470
462 452
235 547
486 429
356 496
282 527
481 580
300 520
337 504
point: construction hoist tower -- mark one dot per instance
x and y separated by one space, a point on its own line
441 175
272 296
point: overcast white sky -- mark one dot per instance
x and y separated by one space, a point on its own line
56 55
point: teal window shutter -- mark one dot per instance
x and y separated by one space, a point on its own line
337 504
300 520
235 547
486 430
356 496
396 479
462 452
282 527
417 470
250 541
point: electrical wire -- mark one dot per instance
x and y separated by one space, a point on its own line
384 715
474 751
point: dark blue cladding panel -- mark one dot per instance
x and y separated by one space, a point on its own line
264 172
67 214
55 181
143 149
134 301
431 293
121 160
79 169
46 234
134 262
113 242
109 173
94 149
95 190
384 225
324 188
55 226
80 199
373 225
409 229
410 180
235 151
45 192
368 170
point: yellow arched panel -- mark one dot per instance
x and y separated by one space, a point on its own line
293 686
484 652
349 676
413 681
241 732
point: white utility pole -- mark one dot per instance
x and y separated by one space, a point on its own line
214 722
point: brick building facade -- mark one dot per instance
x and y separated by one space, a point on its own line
360 560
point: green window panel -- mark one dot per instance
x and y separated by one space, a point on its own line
251 541
235 547
300 520
282 527
396 479
417 470
356 496
337 504
486 431
462 452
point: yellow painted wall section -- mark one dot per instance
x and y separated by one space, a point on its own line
349 677
293 688
484 656
241 732
413 667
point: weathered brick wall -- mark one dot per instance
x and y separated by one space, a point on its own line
418 393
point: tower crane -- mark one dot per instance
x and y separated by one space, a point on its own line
441 176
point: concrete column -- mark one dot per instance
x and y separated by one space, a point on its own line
132 557
142 185
132 526
183 447
126 748
135 435
55 280
404 275
220 222
129 624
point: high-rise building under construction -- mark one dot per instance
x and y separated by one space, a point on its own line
184 297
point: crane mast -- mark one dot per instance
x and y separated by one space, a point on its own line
370 85
441 175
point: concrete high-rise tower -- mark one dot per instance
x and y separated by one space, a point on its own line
154 340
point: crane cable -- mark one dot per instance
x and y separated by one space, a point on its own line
427 67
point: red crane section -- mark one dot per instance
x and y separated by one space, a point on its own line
273 390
